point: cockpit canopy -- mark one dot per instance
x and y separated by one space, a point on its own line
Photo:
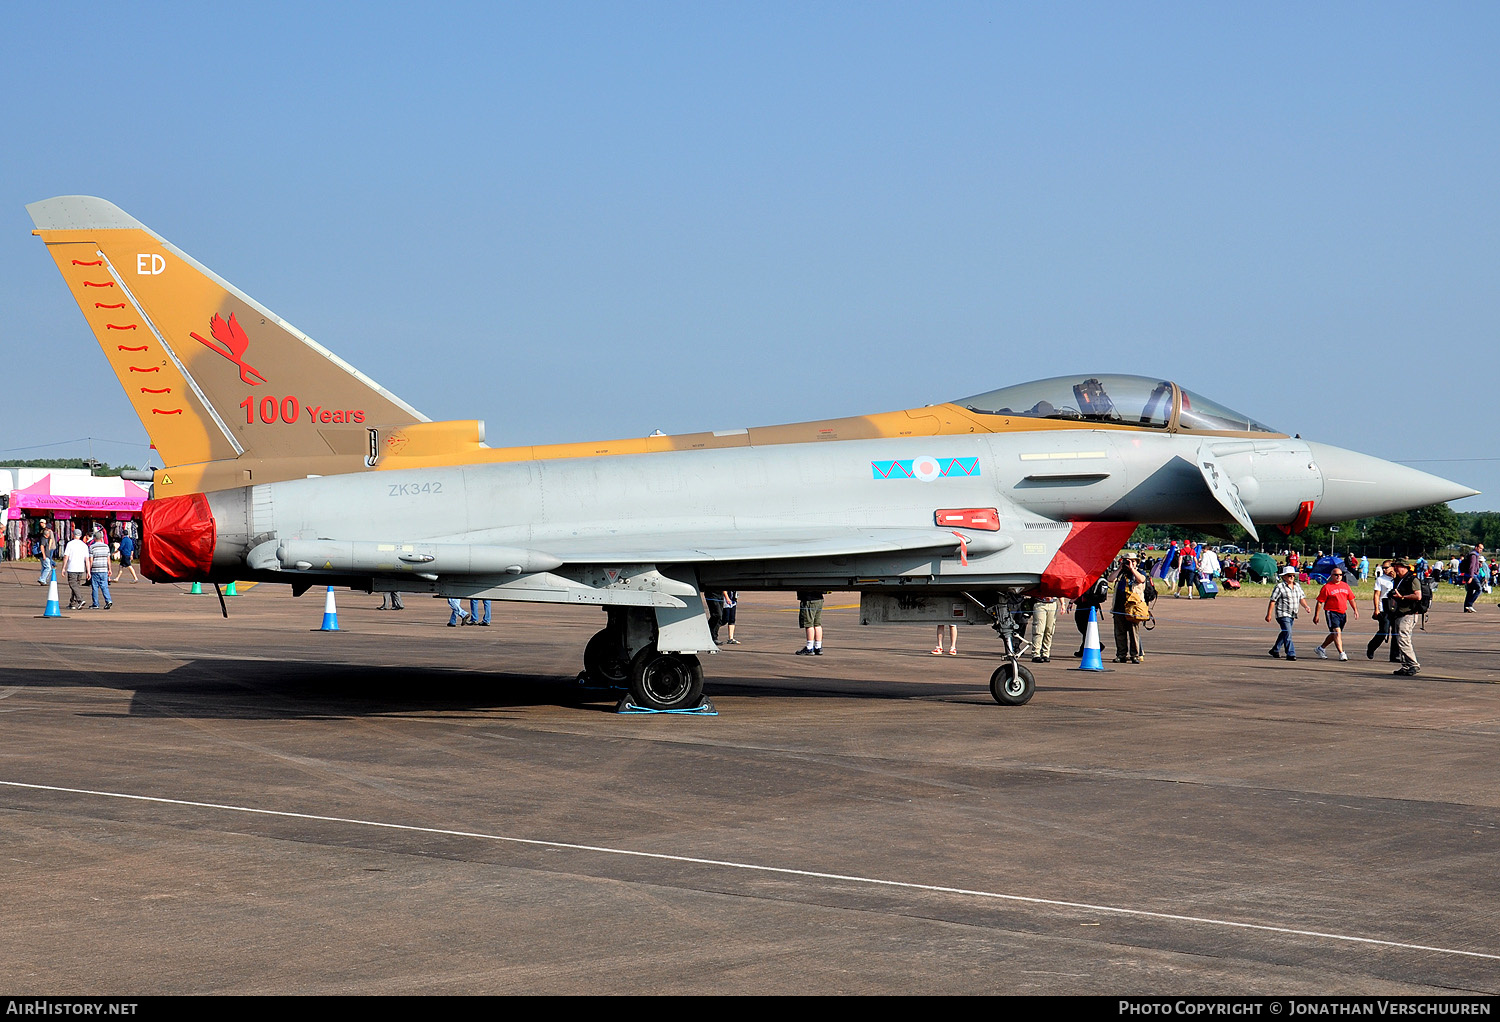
1117 400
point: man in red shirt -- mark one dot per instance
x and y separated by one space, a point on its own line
1336 601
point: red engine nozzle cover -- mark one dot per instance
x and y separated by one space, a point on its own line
177 539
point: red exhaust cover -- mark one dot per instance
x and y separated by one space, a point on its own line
177 539
1082 558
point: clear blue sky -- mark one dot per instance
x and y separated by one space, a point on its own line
587 220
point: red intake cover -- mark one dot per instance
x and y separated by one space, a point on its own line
1082 558
1304 517
177 539
986 518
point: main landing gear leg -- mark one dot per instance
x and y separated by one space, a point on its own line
665 681
606 658
625 654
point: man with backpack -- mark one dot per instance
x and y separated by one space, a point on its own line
1406 604
1385 581
1092 599
1473 569
1187 571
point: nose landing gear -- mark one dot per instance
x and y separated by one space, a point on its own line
1012 684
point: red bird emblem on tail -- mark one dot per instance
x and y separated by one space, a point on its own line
234 341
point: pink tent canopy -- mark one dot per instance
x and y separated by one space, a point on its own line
78 493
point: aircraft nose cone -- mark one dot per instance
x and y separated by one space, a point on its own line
1358 486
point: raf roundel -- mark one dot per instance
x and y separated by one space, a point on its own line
926 468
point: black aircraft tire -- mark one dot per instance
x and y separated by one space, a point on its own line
666 681
1012 684
605 660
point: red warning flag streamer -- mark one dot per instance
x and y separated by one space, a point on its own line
963 549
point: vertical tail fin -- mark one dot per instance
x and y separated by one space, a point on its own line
214 376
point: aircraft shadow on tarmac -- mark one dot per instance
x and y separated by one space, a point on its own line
261 689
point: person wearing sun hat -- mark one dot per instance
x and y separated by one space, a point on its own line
1285 599
1406 604
1129 594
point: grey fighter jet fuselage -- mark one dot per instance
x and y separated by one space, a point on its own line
285 464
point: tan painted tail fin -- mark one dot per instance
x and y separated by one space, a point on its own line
225 388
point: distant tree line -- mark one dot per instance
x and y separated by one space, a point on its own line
100 468
1435 529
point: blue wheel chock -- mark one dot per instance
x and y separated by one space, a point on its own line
703 709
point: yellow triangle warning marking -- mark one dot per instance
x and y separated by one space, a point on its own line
166 480
327 564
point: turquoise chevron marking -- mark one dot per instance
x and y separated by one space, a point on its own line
903 469
891 469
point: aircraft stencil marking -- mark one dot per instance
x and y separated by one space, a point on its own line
414 489
1063 455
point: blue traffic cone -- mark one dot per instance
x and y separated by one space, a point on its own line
53 610
1093 656
330 614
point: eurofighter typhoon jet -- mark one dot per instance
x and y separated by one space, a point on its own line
283 463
